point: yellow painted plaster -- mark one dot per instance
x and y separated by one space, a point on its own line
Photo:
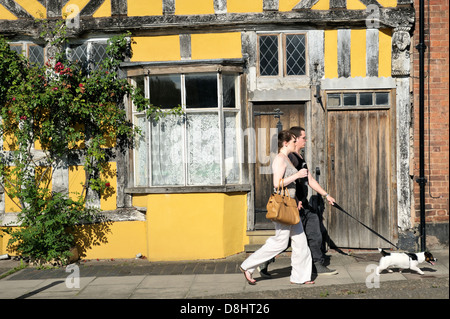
216 46
321 5
385 53
331 67
239 6
33 7
287 5
358 53
104 10
189 7
355 5
195 226
163 48
5 14
144 8
388 3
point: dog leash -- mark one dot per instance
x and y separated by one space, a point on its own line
342 210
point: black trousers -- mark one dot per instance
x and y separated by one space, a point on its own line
311 225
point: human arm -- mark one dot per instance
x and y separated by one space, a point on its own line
316 186
278 169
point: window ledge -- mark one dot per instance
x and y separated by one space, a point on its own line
188 189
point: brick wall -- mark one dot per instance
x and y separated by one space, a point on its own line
436 111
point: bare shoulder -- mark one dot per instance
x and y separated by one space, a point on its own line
278 162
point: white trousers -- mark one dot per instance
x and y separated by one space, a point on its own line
301 260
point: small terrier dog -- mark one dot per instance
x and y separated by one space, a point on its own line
404 261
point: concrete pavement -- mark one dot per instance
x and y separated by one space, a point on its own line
141 279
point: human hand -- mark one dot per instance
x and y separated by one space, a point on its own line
302 173
331 200
300 205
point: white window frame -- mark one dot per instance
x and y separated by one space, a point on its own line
219 110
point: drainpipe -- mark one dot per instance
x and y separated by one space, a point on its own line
421 47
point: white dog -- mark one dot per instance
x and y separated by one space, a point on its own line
404 261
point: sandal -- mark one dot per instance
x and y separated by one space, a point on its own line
248 277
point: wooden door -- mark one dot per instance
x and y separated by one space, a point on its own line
266 133
360 169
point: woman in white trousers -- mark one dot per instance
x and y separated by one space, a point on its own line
301 260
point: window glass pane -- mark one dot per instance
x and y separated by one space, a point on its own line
349 99
268 55
98 53
141 152
203 152
365 99
140 83
382 98
167 151
334 100
79 53
232 167
295 54
17 48
201 90
36 54
165 91
229 90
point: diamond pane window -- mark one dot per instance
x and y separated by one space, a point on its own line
36 54
98 53
295 54
17 48
268 55
80 54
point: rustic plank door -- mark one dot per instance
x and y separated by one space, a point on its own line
360 169
266 134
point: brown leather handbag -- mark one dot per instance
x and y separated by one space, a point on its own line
282 208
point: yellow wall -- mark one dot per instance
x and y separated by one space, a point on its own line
385 53
104 10
287 5
331 54
195 226
144 8
6 14
186 7
321 5
118 240
33 7
355 5
163 48
203 46
216 46
178 227
358 53
240 6
103 240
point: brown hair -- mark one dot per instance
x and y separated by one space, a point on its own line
296 130
284 136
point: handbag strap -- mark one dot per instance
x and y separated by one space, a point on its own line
284 189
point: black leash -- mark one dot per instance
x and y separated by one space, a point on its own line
342 210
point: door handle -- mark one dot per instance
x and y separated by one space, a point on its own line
332 163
